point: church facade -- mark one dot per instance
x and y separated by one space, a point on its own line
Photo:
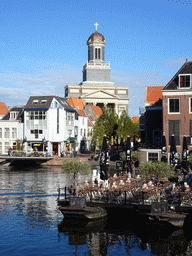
96 87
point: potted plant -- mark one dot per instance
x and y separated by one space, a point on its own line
74 167
158 170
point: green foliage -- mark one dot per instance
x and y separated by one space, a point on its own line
110 124
136 156
124 126
104 125
160 169
190 159
19 147
72 166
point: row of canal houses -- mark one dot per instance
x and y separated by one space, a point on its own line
48 123
167 110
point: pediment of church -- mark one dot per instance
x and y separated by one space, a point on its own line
100 94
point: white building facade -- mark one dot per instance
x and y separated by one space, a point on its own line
48 123
11 129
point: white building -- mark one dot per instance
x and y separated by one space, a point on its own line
11 129
81 131
48 123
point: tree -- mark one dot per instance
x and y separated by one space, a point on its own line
72 166
158 169
124 126
136 156
135 130
106 124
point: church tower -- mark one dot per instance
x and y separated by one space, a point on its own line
96 87
96 69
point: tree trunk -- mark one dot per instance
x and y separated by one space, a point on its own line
75 183
158 196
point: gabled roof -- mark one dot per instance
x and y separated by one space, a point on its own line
81 113
153 94
44 103
91 119
97 110
15 109
3 109
100 94
75 103
90 124
185 69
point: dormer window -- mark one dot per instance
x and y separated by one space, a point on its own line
43 101
185 81
13 115
35 101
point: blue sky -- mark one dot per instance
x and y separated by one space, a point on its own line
43 44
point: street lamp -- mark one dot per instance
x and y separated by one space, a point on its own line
44 141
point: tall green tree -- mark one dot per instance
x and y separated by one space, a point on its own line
106 124
124 126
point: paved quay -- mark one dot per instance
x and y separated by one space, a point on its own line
58 161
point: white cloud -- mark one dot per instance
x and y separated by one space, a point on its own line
50 79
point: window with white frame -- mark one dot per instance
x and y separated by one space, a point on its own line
84 132
43 101
14 133
36 115
13 115
152 156
6 147
35 101
81 132
69 119
0 132
185 81
7 133
0 147
174 105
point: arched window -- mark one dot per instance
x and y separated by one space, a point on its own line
97 53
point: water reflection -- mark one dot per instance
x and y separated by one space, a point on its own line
28 206
103 238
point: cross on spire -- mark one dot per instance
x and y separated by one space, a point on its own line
96 26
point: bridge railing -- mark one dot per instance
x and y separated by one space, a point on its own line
17 153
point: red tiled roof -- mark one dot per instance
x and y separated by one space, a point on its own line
89 124
3 109
91 118
135 119
153 94
74 103
81 112
97 110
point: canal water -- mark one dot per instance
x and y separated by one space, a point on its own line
31 224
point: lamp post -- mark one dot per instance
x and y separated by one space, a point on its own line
44 141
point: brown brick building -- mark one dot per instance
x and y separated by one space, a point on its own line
177 107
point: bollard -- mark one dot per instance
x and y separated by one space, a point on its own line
58 193
65 193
